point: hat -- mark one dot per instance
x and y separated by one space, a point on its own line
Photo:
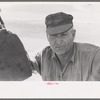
58 22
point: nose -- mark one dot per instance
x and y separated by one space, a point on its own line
59 39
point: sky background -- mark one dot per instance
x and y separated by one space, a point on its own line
27 20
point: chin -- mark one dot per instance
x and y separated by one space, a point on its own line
60 52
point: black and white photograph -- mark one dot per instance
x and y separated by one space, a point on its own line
51 43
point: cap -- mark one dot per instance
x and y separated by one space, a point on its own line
58 22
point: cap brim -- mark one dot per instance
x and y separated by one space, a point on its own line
59 29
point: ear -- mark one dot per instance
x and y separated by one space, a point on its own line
47 36
73 33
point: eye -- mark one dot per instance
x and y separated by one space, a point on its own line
64 34
52 36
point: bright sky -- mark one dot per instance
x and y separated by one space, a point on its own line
37 11
86 16
83 12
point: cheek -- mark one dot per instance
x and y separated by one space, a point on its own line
68 42
69 38
51 42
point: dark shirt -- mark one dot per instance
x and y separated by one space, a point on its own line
83 65
1 23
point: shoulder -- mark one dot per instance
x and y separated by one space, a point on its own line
47 51
42 51
86 47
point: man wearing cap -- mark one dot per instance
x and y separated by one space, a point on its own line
64 59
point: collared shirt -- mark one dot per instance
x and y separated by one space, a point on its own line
83 65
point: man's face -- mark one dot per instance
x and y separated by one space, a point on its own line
61 42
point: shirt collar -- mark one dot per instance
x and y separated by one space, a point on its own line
72 58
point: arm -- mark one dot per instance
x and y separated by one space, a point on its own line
96 67
36 63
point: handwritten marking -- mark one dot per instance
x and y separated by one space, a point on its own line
50 83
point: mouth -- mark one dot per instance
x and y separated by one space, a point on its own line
59 47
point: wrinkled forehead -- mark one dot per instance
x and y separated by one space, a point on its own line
59 29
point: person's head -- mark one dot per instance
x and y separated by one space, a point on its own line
60 32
